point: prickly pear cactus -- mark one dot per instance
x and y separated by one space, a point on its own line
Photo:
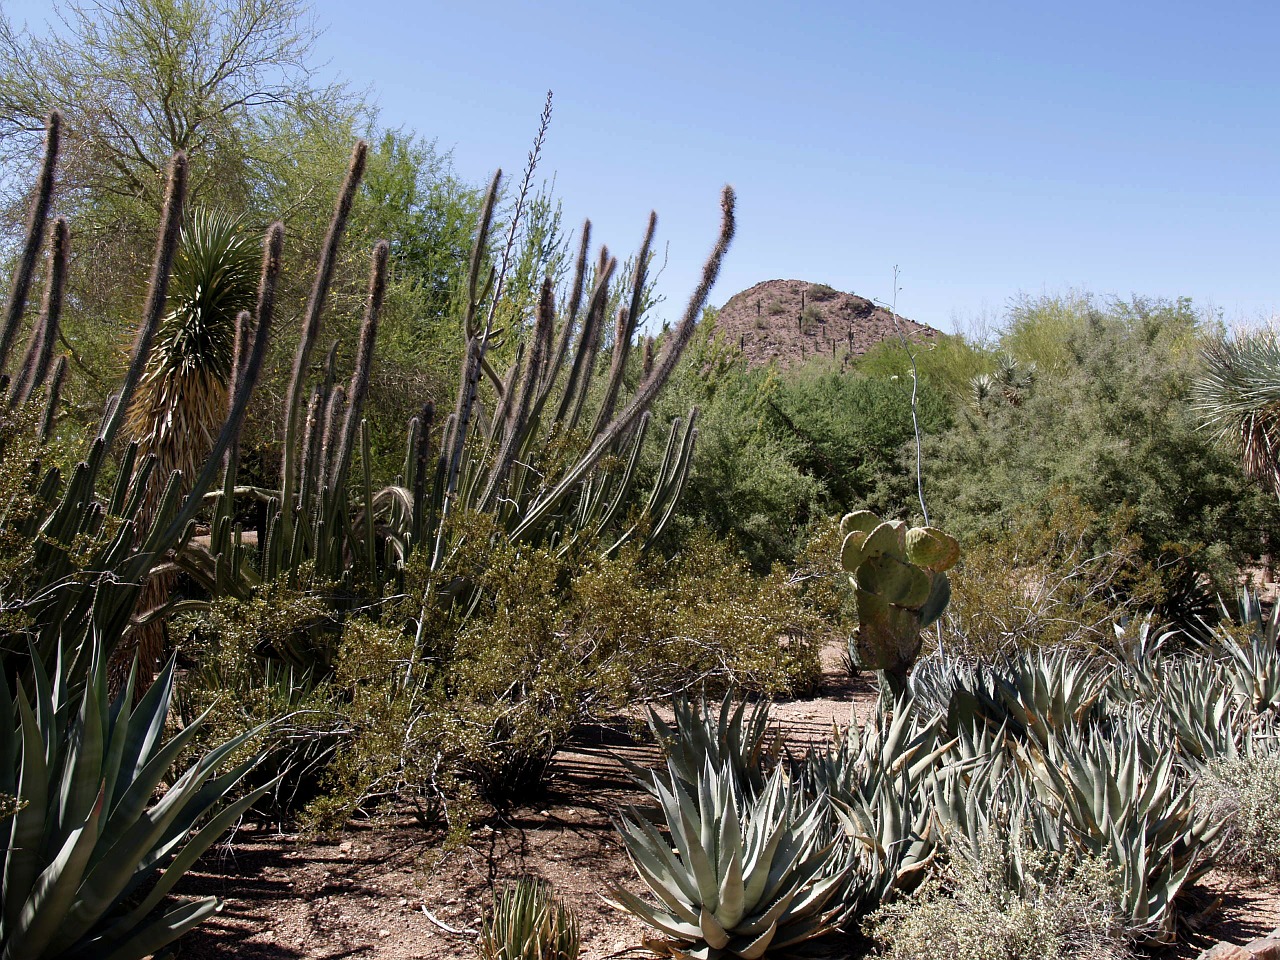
901 585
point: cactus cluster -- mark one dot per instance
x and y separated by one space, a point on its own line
516 447
901 586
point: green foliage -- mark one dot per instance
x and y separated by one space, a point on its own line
529 923
475 706
778 451
1059 576
855 433
747 874
1109 423
1007 901
747 480
946 364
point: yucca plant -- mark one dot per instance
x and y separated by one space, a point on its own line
528 923
1238 394
739 739
735 876
90 833
181 400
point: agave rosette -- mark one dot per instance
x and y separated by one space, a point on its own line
737 876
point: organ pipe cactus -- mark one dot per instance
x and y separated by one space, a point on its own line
512 449
91 549
901 587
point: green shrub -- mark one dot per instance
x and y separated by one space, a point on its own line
1244 794
774 307
461 708
1061 575
1009 902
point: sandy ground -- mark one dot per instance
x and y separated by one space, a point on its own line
385 890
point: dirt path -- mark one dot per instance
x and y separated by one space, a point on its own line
368 894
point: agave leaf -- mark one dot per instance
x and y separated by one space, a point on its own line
54 891
27 832
660 919
163 930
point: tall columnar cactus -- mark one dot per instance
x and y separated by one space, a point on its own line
517 447
901 585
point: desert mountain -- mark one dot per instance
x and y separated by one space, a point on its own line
792 320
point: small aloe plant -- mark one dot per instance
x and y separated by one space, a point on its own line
901 586
529 923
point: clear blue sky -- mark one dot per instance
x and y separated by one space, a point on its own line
986 148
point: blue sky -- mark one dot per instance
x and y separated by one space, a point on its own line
987 149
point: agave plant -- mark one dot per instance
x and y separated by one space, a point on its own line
89 833
878 778
1122 799
529 923
737 739
1030 695
737 876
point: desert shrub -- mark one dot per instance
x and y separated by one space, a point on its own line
1110 422
774 307
461 706
811 315
822 579
1006 903
746 481
821 292
1244 793
855 434
1061 576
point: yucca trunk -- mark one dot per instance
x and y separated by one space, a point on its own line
181 399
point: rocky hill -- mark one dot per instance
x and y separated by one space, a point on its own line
792 320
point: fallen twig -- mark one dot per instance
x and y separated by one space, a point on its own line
465 932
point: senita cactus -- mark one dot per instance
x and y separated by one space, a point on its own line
901 585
